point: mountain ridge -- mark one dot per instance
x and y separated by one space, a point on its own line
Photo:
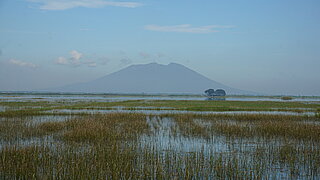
151 78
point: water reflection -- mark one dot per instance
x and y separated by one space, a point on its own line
116 98
159 112
216 98
166 136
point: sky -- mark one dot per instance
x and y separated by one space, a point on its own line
270 47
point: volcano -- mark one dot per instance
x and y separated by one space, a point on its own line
151 78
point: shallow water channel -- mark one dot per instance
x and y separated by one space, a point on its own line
115 98
167 138
164 111
173 141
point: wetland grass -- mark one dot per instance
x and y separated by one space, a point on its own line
135 145
105 127
18 109
188 105
15 129
286 98
250 125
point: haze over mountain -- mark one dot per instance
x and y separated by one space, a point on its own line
151 78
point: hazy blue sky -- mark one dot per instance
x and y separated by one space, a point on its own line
268 46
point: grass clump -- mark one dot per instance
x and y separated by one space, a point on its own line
190 127
286 98
13 129
51 127
67 162
20 163
20 113
249 125
287 129
270 126
105 127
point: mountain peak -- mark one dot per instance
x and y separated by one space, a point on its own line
152 78
174 64
155 64
152 64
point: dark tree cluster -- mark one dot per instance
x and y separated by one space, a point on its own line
212 92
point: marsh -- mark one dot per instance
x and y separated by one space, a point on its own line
122 139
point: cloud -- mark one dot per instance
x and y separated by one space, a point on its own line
62 61
74 60
75 57
69 4
22 63
186 28
144 55
92 64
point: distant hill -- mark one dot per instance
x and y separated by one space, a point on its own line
151 78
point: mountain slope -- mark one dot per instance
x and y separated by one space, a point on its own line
151 78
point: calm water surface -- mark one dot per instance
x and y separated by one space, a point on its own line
125 98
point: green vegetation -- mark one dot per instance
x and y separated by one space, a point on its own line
286 98
36 144
105 128
18 109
